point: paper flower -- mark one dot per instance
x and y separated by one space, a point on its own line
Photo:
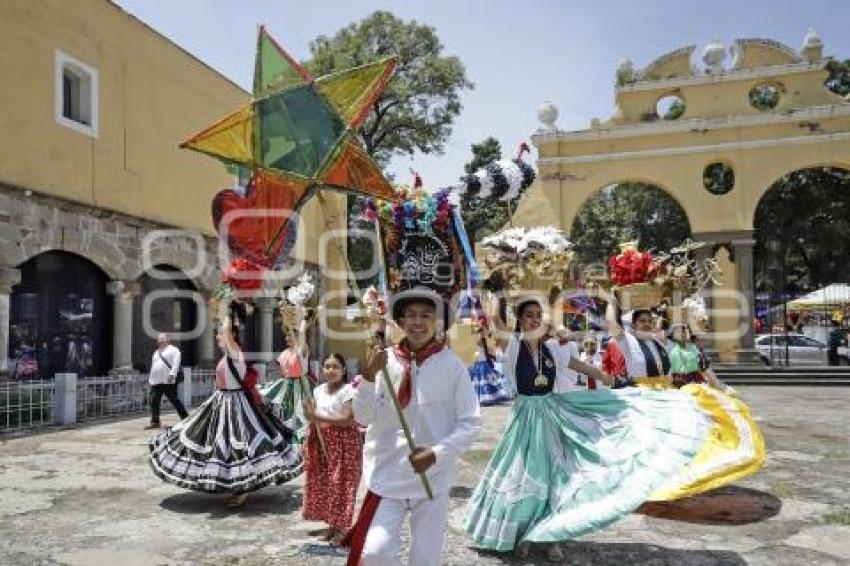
300 293
631 266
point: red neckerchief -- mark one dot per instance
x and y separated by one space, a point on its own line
403 353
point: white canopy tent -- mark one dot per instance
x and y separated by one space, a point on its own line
830 297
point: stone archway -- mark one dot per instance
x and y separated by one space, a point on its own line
173 312
624 211
61 317
801 226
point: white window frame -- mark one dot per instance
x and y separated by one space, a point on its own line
64 60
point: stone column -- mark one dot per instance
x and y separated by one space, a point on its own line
743 250
701 255
205 344
265 308
9 277
122 321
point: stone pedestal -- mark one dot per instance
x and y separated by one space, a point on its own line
65 394
743 252
205 344
9 277
122 321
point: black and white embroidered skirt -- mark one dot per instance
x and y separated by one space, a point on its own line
226 446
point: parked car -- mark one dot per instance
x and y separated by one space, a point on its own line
800 350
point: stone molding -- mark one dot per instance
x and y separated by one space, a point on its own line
811 113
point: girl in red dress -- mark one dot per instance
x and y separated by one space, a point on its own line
333 473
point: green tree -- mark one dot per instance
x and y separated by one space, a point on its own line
624 212
801 227
422 99
483 153
480 216
839 76
418 107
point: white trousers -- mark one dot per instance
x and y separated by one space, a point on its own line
427 531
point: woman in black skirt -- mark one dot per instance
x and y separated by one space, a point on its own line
229 444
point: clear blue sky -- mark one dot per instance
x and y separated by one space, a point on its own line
517 53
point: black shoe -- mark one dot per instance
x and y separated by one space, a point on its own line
152 426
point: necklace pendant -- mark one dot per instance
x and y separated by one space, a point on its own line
540 380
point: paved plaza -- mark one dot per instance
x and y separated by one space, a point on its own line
86 496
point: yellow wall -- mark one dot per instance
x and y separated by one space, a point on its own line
152 94
720 99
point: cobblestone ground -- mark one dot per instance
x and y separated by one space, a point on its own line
86 496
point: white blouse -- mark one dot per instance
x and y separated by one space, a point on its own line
635 362
565 378
330 405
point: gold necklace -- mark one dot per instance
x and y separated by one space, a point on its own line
540 380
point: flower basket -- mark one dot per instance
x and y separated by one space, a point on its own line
640 295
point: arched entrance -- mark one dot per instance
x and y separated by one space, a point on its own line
61 318
173 312
626 211
801 226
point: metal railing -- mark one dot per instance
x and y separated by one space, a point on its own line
203 385
104 397
67 399
26 405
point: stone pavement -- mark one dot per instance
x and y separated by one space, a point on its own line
86 496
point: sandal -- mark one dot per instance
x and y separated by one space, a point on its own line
337 538
523 550
555 553
236 500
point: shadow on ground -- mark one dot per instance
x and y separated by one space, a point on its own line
579 553
282 500
731 505
460 492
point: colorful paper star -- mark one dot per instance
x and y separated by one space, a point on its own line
302 130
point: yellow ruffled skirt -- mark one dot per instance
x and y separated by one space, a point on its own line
733 448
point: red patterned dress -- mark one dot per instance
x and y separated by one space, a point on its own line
331 484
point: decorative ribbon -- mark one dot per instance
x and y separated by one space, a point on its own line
474 273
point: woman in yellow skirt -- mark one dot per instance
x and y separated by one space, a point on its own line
733 447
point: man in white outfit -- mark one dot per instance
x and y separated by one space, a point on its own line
442 411
591 356
165 364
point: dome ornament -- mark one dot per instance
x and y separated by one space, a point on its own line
547 113
625 71
812 49
713 56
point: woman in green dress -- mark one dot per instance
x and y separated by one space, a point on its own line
287 393
570 463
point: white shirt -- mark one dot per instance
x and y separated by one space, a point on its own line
331 404
443 414
595 361
565 378
159 371
635 362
